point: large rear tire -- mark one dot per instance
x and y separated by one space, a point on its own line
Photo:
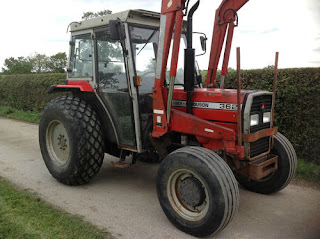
287 166
70 140
197 191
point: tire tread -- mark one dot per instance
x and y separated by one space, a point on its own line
225 179
87 127
281 179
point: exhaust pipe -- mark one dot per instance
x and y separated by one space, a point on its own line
189 60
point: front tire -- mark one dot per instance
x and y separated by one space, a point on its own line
197 191
70 140
287 166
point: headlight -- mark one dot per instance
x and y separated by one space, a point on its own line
266 117
254 120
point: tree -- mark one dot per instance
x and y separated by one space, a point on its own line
20 65
89 15
270 67
57 63
40 63
37 63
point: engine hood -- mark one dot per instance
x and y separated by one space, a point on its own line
210 103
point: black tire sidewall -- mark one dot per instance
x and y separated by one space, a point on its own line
85 140
51 114
211 222
281 177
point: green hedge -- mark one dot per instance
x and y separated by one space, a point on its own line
28 92
297 112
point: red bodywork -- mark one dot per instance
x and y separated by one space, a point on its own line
215 128
81 85
213 110
213 95
213 135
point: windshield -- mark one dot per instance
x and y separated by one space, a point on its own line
145 45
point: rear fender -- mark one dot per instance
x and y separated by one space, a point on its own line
83 86
85 92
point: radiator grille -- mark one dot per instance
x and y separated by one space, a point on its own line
258 101
259 147
260 105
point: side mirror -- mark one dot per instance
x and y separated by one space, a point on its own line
117 31
203 41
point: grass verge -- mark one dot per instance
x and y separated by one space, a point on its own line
308 171
9 112
23 215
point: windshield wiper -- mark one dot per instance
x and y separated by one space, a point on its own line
148 40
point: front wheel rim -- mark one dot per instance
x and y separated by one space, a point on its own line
58 143
192 205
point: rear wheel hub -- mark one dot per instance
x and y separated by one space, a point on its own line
57 140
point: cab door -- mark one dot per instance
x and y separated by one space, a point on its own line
113 87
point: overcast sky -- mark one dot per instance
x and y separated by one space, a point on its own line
291 27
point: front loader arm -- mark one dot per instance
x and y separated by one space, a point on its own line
171 21
207 133
171 18
226 17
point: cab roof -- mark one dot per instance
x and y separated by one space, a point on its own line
137 16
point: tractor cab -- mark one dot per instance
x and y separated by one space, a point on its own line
120 69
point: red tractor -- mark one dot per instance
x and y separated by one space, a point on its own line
125 103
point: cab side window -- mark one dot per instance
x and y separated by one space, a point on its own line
81 64
111 67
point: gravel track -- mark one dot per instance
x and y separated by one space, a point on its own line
124 201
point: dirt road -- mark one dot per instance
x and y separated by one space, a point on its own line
124 201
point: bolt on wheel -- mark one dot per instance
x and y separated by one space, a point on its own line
188 195
58 142
71 140
197 191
